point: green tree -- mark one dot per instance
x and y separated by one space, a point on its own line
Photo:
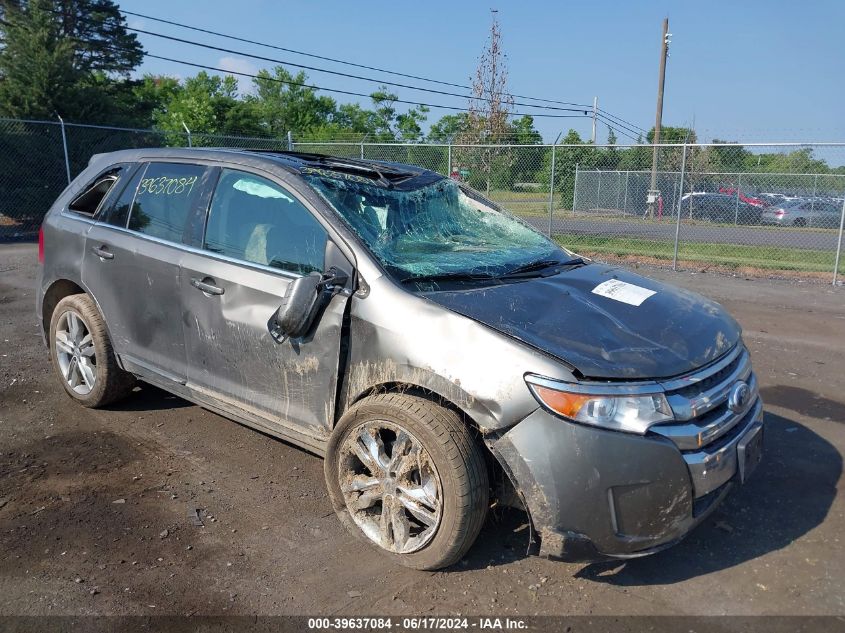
447 127
285 105
206 104
98 29
62 57
572 153
611 157
391 125
38 77
669 134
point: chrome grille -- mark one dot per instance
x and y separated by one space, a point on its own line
705 428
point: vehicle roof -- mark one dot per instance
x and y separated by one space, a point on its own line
381 172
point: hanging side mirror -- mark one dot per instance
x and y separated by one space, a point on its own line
296 313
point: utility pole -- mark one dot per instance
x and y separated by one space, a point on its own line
653 193
595 112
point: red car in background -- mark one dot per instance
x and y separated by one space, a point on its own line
757 202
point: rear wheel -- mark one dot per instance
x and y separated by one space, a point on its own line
82 354
405 475
800 222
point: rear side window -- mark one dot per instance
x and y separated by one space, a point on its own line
117 213
255 220
166 194
91 198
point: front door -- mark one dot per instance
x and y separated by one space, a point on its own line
259 237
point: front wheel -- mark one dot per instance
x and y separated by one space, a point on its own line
406 475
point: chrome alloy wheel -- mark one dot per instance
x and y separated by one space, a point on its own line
75 353
390 486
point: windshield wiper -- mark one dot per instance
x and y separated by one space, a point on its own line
543 264
453 276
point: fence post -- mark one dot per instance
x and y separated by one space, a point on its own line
839 244
449 160
736 205
290 141
813 199
678 220
551 191
598 191
64 146
625 202
575 191
188 132
362 150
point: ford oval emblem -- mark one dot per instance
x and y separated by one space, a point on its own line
738 397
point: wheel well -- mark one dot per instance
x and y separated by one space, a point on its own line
502 489
55 293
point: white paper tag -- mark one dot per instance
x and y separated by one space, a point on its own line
623 291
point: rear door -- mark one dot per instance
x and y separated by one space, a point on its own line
259 237
132 266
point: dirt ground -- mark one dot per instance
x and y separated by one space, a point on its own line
94 505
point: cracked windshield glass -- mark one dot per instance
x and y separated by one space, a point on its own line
440 229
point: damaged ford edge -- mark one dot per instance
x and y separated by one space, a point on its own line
437 351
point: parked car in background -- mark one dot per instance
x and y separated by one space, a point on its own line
803 212
731 191
719 207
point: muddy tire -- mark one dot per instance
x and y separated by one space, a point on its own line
407 476
82 354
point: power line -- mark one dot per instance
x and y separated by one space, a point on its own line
344 92
621 120
341 74
610 123
356 65
610 127
332 59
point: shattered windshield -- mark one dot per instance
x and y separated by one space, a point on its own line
440 229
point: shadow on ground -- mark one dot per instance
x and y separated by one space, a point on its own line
790 494
804 402
146 397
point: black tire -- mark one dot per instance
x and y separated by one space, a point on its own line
799 222
110 381
459 464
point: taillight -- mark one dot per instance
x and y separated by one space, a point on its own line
41 245
780 213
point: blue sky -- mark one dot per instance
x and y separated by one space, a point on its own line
751 71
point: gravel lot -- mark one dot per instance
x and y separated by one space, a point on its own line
94 505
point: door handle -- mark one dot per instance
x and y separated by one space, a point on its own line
207 288
102 252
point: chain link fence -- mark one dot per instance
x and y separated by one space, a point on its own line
757 209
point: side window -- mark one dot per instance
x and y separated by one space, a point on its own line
117 213
257 221
166 194
89 201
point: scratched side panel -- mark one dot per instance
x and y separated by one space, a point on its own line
396 336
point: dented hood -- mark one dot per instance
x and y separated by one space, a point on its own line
671 332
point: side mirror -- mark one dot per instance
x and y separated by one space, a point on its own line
298 308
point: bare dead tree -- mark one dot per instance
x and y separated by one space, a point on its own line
490 105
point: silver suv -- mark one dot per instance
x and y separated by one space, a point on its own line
434 349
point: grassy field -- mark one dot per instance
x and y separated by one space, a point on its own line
728 255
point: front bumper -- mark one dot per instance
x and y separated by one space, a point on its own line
594 494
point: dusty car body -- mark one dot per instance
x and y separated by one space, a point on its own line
621 410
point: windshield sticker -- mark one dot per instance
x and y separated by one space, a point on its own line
623 291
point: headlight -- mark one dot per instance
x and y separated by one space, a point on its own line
631 412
